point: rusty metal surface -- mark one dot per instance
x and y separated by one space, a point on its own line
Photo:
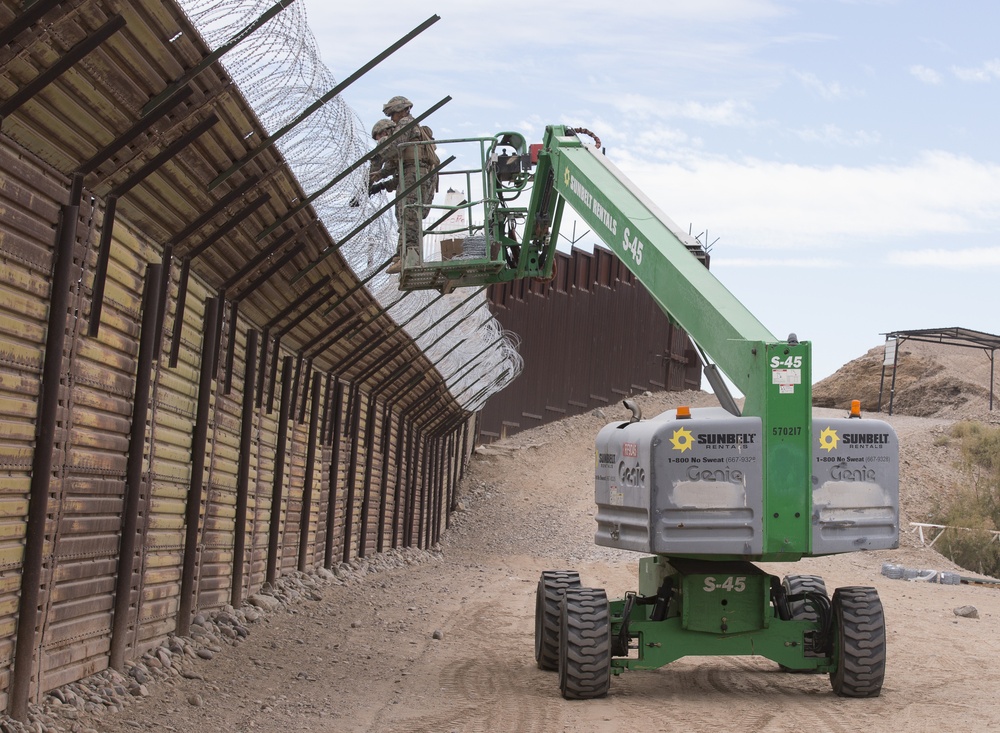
589 338
63 126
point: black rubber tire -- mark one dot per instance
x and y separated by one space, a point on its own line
584 644
801 610
859 647
551 587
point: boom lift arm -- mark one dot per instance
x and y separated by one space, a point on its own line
701 492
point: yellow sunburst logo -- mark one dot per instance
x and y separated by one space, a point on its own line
828 439
682 439
566 176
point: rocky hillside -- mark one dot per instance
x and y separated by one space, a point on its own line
932 380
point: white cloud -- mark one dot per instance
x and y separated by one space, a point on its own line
925 74
826 90
987 72
961 259
773 263
833 135
822 209
729 112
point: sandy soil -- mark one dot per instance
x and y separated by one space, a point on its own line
365 656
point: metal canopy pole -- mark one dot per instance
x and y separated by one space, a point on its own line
243 471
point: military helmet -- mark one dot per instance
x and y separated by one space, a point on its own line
396 104
381 127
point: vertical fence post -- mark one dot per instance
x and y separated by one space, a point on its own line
310 468
277 487
41 465
198 444
148 339
243 470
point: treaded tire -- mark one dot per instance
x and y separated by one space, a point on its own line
584 644
801 610
858 643
551 587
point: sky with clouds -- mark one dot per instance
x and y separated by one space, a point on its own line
842 155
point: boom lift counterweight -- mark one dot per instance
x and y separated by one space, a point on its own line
703 493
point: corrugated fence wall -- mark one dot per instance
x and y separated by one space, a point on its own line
589 338
181 417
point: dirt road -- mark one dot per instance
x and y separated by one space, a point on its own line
364 658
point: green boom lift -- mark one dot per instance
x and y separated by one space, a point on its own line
701 493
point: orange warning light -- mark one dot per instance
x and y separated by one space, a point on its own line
683 413
855 408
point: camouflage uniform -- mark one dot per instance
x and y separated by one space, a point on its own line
417 161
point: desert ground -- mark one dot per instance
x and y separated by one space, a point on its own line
443 640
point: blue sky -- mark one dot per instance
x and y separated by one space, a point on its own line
844 154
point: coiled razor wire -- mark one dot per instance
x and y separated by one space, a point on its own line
280 73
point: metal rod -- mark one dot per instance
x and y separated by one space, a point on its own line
328 395
366 484
270 271
295 385
25 20
267 142
173 89
352 471
243 469
68 60
274 375
331 509
255 262
264 340
199 440
277 486
131 134
377 150
133 466
227 226
101 269
306 374
41 465
166 260
234 312
182 287
211 213
326 252
293 306
304 517
168 153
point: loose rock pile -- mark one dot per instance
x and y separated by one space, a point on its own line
78 707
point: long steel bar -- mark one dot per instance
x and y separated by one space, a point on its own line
376 151
41 463
277 486
199 440
327 251
173 89
269 141
231 223
175 342
129 135
255 262
352 472
306 513
331 509
69 59
243 469
272 270
107 227
133 466
26 19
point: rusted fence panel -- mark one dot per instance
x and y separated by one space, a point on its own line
589 338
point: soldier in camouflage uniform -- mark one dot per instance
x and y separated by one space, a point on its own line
415 206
